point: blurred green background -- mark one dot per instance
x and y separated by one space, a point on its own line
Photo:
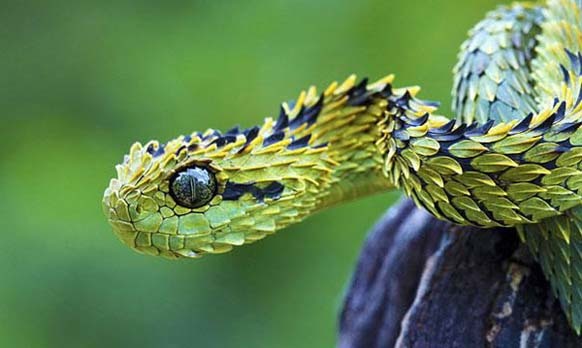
80 81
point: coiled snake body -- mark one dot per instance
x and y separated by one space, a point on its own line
512 157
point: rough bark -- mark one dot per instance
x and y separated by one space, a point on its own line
420 282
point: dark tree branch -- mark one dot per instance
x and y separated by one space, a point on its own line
421 282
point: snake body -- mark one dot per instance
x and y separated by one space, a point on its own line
512 157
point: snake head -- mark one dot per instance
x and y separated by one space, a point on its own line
206 193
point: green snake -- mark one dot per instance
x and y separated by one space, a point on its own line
512 157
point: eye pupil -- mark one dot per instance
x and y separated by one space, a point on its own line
193 187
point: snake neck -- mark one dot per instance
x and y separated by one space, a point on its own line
358 128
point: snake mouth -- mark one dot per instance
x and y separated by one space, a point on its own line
170 246
162 244
167 245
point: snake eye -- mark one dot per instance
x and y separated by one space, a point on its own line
193 187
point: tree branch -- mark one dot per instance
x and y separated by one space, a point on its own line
420 282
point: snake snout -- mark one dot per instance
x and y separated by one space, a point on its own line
117 212
146 224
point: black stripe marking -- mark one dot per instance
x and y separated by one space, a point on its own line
566 127
223 140
282 121
273 191
565 74
233 131
444 128
310 115
522 126
160 151
234 191
454 135
481 130
414 122
273 138
299 143
150 149
403 101
386 92
298 120
545 126
250 134
180 149
561 112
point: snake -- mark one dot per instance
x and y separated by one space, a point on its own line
510 157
